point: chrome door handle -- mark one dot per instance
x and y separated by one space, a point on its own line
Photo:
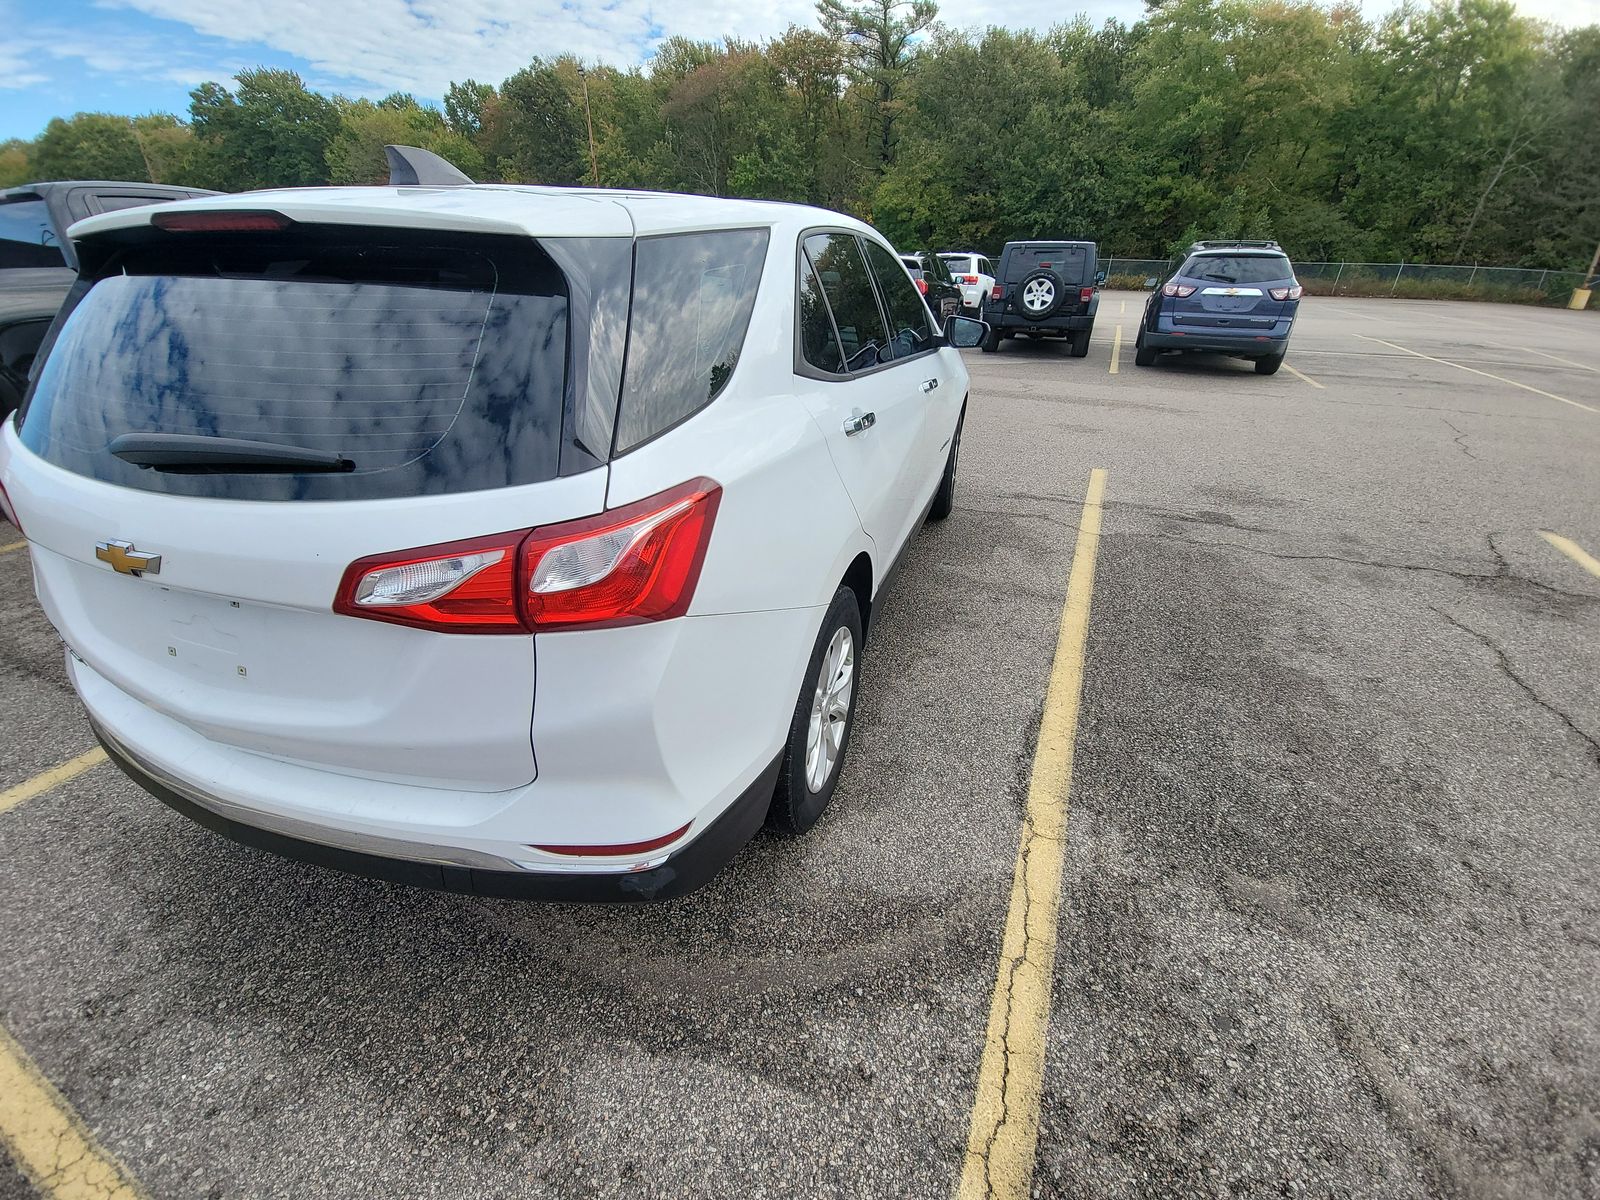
929 384
858 422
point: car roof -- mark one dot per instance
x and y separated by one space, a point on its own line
518 210
28 191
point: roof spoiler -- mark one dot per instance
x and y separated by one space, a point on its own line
412 166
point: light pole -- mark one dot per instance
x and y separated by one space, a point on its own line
588 116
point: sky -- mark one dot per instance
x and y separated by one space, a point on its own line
58 57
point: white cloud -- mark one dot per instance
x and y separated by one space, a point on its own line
374 46
424 45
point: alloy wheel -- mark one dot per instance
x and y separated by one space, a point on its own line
830 709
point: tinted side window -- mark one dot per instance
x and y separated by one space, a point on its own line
843 272
692 296
105 202
819 345
908 314
985 267
27 238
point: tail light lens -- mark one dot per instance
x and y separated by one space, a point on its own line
1085 295
997 292
7 510
636 563
1288 293
969 279
922 286
1177 289
633 564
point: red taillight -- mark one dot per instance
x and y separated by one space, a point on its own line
1288 293
454 587
223 221
1178 289
922 286
1085 295
997 292
632 564
7 509
969 279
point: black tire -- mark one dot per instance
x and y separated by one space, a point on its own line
1049 298
991 341
945 498
796 806
1269 365
1142 355
1080 343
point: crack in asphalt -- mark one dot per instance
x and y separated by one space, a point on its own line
1460 440
1502 572
1506 669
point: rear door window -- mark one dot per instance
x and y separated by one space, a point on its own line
910 323
1238 268
27 236
692 298
819 344
843 273
434 367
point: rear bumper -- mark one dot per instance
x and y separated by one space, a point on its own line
1250 345
1010 322
683 871
641 731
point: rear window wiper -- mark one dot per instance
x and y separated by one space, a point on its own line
188 453
1224 278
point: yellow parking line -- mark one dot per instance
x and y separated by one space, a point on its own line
1005 1111
1487 375
1304 378
1116 349
48 1141
7 549
46 780
1573 551
1559 359
1123 311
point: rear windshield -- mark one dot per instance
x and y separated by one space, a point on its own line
1239 268
1074 263
27 238
434 369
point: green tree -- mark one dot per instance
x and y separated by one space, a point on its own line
89 146
878 35
273 132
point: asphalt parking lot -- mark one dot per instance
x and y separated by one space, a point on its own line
1329 921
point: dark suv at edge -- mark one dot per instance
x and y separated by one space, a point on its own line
38 264
1044 289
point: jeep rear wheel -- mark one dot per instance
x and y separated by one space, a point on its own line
1040 294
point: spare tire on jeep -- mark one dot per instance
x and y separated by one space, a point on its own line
1040 294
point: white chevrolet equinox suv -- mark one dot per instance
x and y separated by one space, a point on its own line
512 540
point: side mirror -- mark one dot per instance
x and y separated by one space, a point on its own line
964 332
1150 283
1099 279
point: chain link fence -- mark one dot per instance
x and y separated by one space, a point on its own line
1520 285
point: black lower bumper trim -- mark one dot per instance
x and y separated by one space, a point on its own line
687 870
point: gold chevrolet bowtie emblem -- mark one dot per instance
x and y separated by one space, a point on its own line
125 560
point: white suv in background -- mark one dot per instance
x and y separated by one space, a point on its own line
975 275
512 540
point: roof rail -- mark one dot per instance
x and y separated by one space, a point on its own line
1235 243
412 166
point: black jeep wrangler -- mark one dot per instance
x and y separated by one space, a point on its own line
1045 290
